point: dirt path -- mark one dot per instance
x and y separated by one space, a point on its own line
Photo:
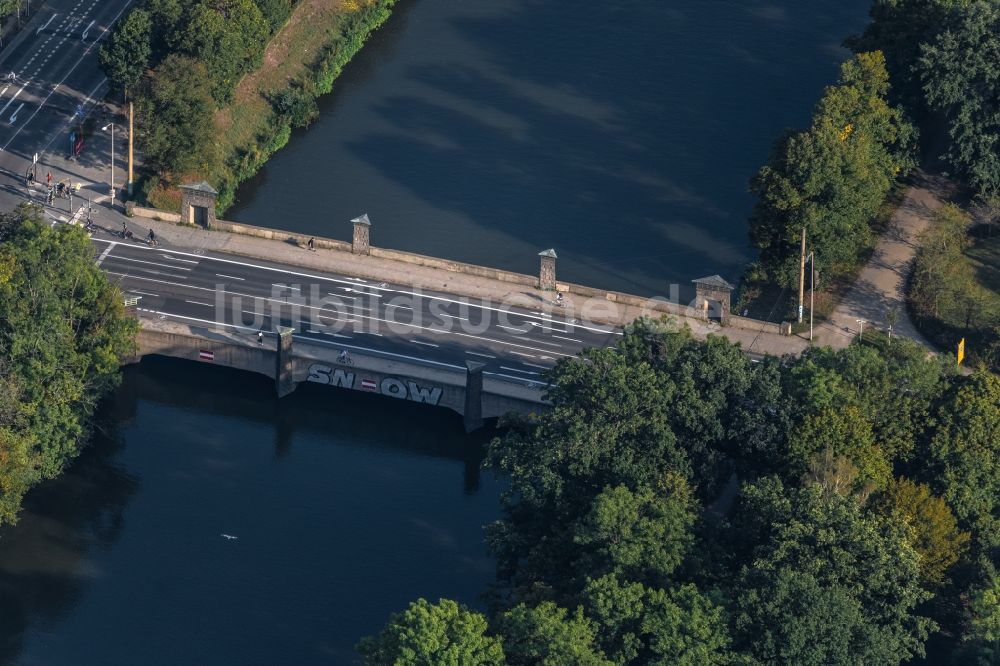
881 285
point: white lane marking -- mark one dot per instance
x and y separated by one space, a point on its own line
527 372
426 344
472 353
47 23
11 100
13 116
83 37
144 293
167 256
70 72
104 255
567 339
153 263
207 305
520 354
532 365
512 328
519 379
401 307
478 338
228 277
340 335
384 353
431 297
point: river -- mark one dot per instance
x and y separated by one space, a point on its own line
622 134
345 508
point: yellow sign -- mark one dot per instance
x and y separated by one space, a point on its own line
846 132
961 351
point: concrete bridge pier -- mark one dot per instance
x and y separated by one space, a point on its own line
284 382
472 417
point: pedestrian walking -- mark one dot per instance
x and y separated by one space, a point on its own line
260 338
312 244
48 178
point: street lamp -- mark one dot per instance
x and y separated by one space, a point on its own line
861 331
105 129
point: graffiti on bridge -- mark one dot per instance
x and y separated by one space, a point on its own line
390 386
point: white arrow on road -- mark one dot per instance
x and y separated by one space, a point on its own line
84 37
47 23
13 117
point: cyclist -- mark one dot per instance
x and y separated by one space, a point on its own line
345 356
151 238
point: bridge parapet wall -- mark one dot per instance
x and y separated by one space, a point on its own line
438 387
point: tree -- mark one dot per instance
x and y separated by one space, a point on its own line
832 178
898 29
608 427
548 635
961 79
934 532
961 461
126 56
63 332
648 626
176 109
845 432
824 583
442 634
639 536
228 37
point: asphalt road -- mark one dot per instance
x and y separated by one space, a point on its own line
364 317
58 86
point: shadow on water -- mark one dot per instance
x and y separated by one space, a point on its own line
66 544
42 558
623 135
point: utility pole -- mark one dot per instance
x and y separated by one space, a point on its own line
802 274
111 126
130 133
812 290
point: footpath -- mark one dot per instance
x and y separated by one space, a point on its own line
881 287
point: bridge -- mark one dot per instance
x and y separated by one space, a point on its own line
473 339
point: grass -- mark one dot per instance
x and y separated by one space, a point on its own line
307 54
978 274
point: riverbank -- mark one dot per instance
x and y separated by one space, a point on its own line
300 64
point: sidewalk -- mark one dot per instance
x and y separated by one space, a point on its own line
881 286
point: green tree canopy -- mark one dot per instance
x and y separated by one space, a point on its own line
832 178
426 634
961 79
934 533
62 334
126 56
649 626
825 583
640 536
175 114
228 37
548 635
962 458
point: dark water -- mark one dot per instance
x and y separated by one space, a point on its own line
346 509
622 133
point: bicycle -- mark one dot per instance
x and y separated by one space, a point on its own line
345 360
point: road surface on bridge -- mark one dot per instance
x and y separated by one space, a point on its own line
205 290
